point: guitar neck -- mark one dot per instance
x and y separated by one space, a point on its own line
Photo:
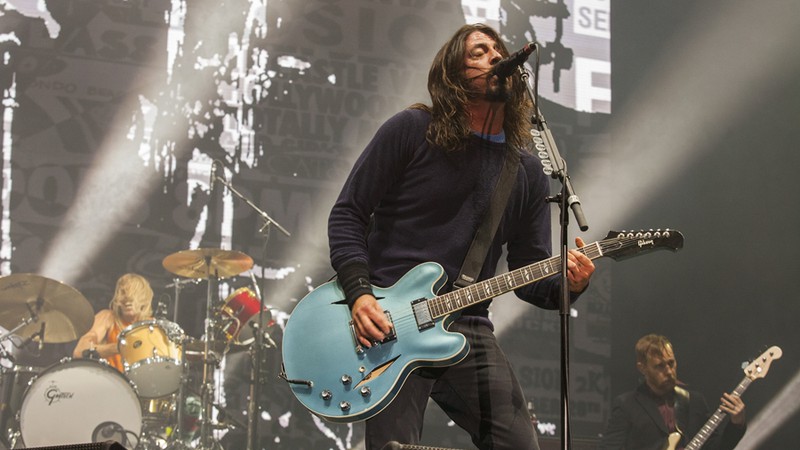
715 419
484 290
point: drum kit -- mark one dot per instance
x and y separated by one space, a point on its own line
160 401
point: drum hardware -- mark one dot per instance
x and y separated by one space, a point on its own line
255 347
33 316
226 421
195 350
37 338
15 380
178 283
179 434
237 316
213 265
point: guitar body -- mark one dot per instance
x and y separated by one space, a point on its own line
319 347
338 380
673 440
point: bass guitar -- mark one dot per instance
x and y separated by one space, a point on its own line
337 379
755 370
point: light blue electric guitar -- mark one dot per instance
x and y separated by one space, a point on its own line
339 380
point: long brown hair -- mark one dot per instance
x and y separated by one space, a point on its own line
450 89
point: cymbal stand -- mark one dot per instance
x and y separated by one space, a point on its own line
255 352
176 441
207 390
4 353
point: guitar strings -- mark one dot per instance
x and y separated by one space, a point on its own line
407 317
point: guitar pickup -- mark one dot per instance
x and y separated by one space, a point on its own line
422 314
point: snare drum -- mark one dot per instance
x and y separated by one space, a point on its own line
151 356
79 401
239 307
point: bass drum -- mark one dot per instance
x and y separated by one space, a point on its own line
79 401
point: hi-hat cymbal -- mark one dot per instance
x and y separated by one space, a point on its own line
65 311
202 262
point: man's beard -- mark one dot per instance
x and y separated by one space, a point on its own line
497 92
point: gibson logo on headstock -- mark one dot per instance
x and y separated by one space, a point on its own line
645 242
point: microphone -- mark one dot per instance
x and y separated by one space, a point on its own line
506 66
110 430
31 338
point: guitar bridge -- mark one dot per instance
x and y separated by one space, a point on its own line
391 336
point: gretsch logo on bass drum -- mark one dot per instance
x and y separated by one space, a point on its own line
54 394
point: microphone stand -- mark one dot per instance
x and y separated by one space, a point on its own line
253 412
555 166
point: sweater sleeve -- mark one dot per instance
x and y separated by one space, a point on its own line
379 166
530 240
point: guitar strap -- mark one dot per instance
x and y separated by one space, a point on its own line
476 254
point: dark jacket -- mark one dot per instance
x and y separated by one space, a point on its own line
636 423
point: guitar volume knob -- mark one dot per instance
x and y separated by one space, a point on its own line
344 406
326 395
365 391
346 379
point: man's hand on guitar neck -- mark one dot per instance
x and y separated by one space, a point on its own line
734 406
579 268
370 321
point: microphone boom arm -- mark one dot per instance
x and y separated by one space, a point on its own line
267 219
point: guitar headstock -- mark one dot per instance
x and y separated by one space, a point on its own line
759 367
625 244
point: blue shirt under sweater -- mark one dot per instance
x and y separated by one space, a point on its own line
427 205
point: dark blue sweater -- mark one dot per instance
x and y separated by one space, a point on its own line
427 205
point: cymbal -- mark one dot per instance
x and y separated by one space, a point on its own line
65 311
202 262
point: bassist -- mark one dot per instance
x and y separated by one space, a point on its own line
652 416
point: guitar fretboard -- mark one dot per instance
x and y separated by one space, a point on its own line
484 290
713 422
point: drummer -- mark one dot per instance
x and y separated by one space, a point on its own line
132 301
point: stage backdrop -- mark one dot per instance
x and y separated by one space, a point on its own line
113 112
